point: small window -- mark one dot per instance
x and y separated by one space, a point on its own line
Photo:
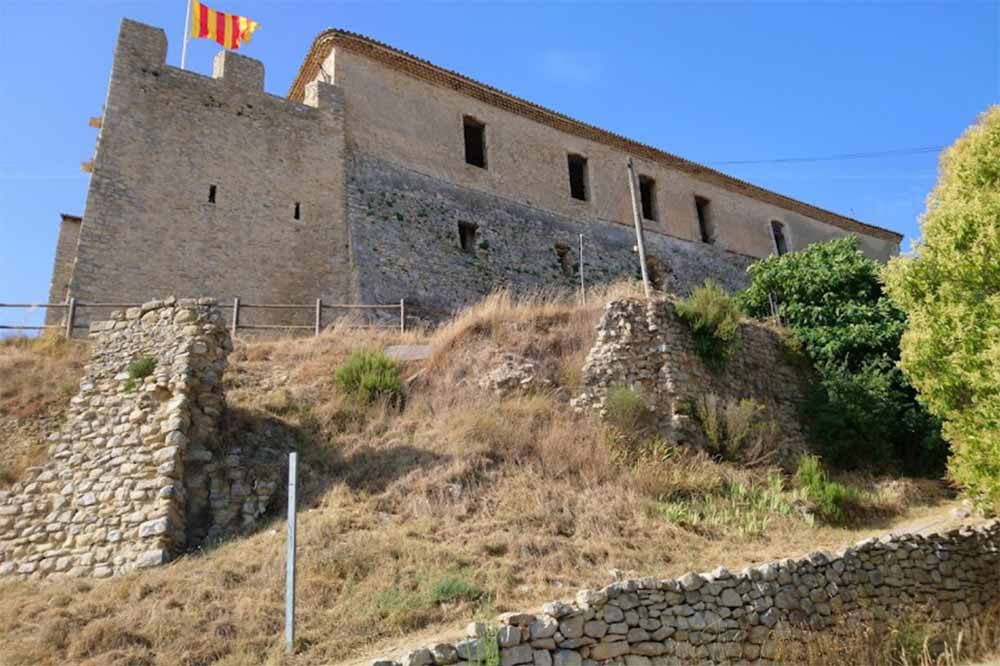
647 193
780 242
211 194
298 211
475 142
578 177
566 262
705 226
467 236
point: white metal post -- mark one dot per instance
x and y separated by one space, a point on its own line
583 287
290 555
637 215
187 34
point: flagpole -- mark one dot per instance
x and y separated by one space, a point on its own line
187 35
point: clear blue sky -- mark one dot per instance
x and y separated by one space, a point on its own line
710 81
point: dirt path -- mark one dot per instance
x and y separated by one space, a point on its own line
922 520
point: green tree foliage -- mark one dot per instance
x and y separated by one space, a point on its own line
863 411
950 290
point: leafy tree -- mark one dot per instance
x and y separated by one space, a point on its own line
950 290
862 410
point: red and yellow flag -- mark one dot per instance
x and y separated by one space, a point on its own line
229 30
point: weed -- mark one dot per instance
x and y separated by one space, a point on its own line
370 376
714 317
625 409
138 369
737 431
831 499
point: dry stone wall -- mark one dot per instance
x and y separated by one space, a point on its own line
138 473
761 615
646 346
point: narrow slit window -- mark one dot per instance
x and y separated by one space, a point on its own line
578 177
467 236
780 241
706 228
475 142
211 194
647 193
566 262
298 211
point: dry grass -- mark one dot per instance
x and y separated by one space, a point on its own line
459 504
38 376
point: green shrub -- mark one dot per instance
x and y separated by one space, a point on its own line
370 376
714 318
948 288
831 499
625 409
455 588
862 411
140 368
738 430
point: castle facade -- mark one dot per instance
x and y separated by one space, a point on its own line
384 177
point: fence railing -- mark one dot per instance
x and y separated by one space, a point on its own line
72 307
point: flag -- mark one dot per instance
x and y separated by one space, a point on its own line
229 30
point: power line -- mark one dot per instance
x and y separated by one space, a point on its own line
844 156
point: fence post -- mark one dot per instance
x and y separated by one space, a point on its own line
70 316
290 555
236 317
402 315
319 315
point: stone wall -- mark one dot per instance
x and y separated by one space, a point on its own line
138 473
644 345
62 266
405 236
195 185
761 615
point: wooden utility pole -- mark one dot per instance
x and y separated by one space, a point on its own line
637 216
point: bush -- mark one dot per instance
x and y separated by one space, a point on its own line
714 317
370 376
831 499
140 368
862 411
948 288
737 431
626 411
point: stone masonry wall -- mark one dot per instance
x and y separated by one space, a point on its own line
405 237
195 185
137 474
761 615
644 345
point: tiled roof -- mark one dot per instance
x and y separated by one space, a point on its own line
427 71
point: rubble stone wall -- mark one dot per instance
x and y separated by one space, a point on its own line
646 346
762 615
137 474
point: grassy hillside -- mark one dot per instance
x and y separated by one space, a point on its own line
459 504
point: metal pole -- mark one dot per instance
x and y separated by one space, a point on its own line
637 216
583 288
402 315
187 34
290 556
319 314
236 317
70 317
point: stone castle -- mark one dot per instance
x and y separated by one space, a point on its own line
384 177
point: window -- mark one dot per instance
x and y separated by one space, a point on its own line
565 256
467 236
780 242
298 211
211 194
475 142
705 226
578 177
647 193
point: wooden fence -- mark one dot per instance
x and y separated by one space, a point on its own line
72 307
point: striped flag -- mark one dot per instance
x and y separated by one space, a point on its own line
229 30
